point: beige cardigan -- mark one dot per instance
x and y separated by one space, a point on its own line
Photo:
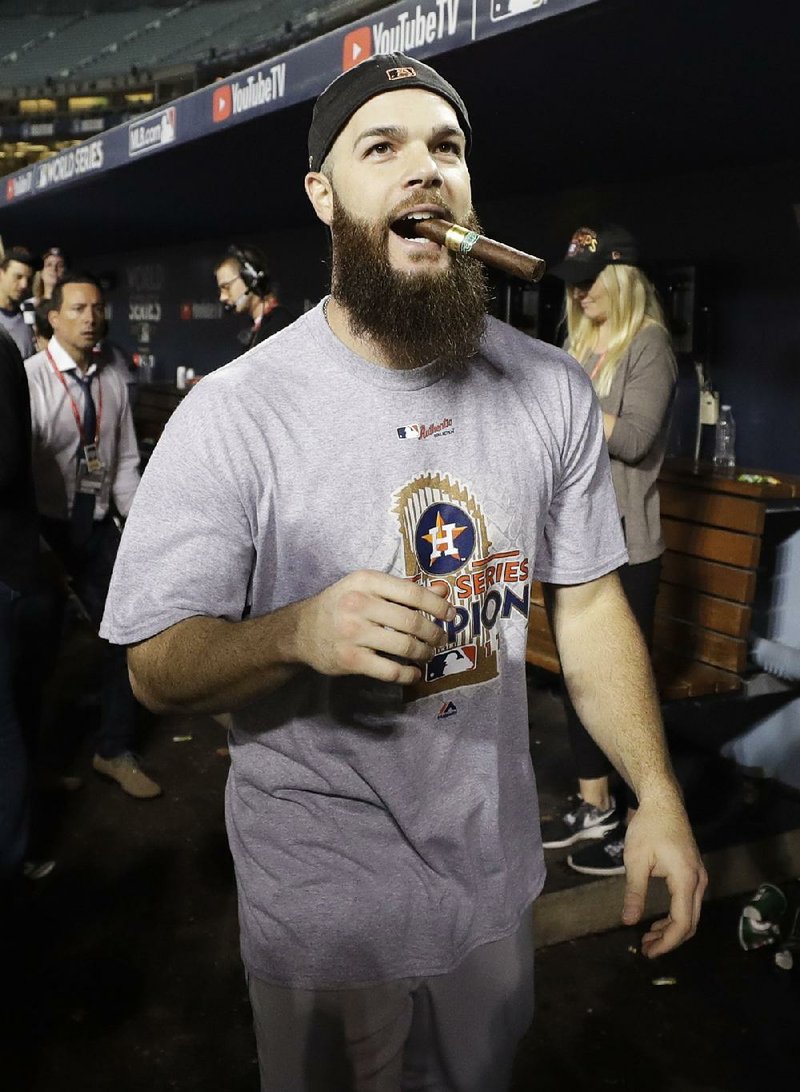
641 398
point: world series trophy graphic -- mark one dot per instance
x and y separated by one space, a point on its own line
445 541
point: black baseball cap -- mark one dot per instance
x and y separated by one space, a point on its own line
374 76
592 249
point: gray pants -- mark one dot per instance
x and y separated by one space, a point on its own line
456 1032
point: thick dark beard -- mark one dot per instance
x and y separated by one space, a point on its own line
414 318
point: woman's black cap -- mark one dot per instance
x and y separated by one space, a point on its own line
592 249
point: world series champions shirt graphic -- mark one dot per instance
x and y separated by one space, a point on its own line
446 541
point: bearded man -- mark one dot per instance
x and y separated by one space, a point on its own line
335 540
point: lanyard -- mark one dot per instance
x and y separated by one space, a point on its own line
266 310
76 413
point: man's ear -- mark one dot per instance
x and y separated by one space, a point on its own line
320 193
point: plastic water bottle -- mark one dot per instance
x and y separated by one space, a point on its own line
725 440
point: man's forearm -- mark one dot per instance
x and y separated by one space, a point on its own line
209 665
367 623
607 671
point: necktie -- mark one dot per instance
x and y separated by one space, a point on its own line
82 520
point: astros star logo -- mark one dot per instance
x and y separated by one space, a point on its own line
442 539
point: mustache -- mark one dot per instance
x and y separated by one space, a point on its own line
415 199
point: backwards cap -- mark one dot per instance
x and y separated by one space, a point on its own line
383 72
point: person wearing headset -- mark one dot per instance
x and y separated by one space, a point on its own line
245 287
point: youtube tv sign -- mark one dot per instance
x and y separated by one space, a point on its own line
403 29
250 92
223 103
357 47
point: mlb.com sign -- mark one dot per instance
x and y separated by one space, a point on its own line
152 132
425 24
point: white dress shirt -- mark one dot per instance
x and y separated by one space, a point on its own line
56 435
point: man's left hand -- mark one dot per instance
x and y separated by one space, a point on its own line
659 842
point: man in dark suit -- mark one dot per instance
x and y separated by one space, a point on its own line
18 556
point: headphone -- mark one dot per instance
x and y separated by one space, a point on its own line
254 273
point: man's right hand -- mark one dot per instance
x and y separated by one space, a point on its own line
344 629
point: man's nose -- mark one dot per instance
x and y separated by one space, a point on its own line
423 168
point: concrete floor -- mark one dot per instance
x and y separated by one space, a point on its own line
121 970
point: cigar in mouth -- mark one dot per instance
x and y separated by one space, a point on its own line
489 251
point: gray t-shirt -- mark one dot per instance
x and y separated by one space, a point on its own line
376 833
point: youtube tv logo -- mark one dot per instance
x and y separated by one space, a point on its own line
223 103
357 47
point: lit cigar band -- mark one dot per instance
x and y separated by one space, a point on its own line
455 237
460 239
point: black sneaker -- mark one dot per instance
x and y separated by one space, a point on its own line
602 859
586 821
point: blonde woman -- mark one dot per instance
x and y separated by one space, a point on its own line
616 331
54 266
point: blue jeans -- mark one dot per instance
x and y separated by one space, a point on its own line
14 770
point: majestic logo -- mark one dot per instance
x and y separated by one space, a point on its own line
357 46
424 432
152 132
446 710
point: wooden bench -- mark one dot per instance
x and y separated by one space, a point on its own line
713 528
